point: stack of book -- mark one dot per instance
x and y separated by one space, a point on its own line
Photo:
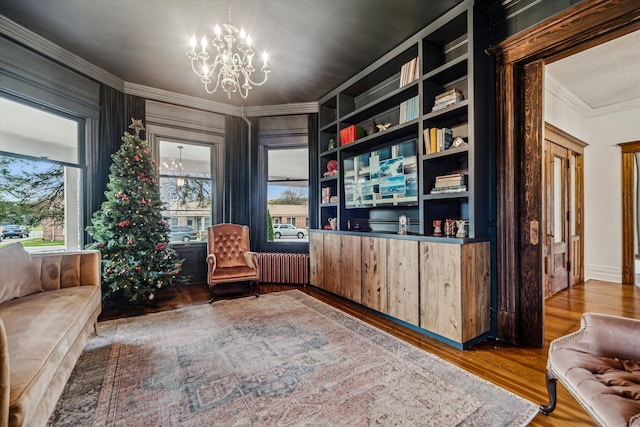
409 72
452 183
447 98
409 109
437 139
328 193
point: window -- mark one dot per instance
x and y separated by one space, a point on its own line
288 186
185 186
41 188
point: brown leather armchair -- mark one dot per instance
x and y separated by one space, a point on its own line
230 259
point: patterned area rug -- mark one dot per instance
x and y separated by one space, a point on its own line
284 359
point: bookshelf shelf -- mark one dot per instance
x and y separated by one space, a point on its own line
446 57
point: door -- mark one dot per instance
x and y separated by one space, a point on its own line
563 213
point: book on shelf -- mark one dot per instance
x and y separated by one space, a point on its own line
450 182
350 134
452 189
437 139
410 72
448 93
446 99
409 109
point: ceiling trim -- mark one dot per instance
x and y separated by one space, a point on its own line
620 107
52 51
156 94
554 86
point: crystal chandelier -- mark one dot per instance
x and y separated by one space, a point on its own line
229 66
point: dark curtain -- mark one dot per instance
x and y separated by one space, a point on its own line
314 170
237 174
110 129
134 107
116 111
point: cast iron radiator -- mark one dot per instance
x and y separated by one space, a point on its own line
283 268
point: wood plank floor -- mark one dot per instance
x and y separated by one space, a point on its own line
518 369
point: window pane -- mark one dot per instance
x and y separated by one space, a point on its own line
185 189
32 132
36 190
42 197
288 192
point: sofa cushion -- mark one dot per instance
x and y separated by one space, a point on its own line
40 330
18 275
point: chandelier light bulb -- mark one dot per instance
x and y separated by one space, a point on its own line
265 56
243 35
193 42
203 43
249 40
217 30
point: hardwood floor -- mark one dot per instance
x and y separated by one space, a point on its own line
518 369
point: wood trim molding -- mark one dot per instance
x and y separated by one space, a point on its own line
628 171
567 140
519 140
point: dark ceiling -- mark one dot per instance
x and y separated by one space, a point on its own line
313 45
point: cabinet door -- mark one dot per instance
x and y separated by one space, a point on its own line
455 289
440 289
403 280
350 268
331 263
476 289
316 259
374 273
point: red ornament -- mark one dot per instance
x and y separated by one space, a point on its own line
130 242
144 151
124 223
138 268
332 165
160 246
110 270
153 162
136 158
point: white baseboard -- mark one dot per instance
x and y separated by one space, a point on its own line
602 272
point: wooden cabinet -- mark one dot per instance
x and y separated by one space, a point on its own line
455 289
443 288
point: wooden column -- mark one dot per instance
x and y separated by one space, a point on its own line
628 170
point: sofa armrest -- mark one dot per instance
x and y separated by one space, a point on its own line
251 259
604 335
5 385
68 269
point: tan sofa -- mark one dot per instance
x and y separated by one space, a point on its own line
600 366
49 304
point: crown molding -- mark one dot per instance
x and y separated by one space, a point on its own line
218 107
180 99
620 107
281 109
565 95
54 52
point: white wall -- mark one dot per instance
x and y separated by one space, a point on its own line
602 129
603 197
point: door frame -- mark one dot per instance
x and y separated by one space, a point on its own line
520 62
628 171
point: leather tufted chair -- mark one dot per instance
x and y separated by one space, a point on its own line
230 259
600 366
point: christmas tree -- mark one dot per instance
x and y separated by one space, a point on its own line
129 229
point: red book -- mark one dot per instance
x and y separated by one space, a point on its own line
350 134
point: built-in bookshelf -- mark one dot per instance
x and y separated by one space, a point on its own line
433 93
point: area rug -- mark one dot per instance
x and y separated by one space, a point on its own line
284 359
